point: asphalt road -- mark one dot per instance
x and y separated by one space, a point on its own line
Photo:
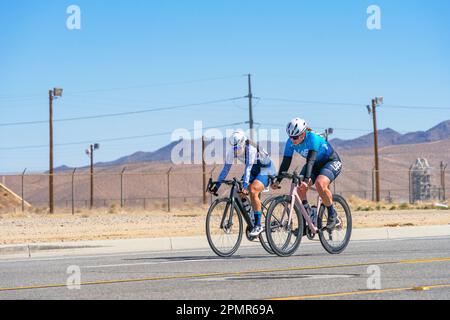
407 269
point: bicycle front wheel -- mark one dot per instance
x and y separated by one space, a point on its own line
284 237
224 228
263 236
337 240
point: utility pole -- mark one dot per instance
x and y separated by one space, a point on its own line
90 153
250 106
328 132
373 110
50 177
52 94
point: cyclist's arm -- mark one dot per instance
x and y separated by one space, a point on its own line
314 143
225 171
285 165
287 160
310 161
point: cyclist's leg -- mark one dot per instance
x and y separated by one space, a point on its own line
258 185
328 174
322 185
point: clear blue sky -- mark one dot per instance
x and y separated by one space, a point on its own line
133 55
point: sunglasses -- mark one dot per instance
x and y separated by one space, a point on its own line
296 138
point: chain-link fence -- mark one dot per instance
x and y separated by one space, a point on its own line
173 187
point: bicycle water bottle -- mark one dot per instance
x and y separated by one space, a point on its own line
248 208
313 214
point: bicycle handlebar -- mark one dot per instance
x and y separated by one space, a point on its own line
211 183
286 175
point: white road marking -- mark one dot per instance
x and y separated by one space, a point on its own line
149 263
302 277
74 257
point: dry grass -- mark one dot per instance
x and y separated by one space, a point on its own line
357 204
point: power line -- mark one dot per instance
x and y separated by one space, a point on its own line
343 129
352 104
38 95
154 85
121 113
115 139
313 102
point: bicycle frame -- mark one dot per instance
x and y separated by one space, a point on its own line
236 198
295 199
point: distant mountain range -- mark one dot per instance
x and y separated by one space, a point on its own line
390 137
386 137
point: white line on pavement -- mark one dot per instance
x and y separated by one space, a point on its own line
149 263
75 257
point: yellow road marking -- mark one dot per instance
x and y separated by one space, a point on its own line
354 293
425 261
225 274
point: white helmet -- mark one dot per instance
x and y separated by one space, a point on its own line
296 127
238 139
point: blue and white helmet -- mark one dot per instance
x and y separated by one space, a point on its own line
238 139
296 127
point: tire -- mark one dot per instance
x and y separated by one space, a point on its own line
214 233
283 247
263 236
344 232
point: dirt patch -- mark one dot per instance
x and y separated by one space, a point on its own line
102 225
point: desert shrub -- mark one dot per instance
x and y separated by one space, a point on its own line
112 209
404 206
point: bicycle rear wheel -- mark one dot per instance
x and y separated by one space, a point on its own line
284 238
224 234
263 236
337 240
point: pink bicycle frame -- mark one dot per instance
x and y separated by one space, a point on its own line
296 199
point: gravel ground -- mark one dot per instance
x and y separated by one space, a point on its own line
34 228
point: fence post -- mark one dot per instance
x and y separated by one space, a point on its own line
121 187
443 168
23 201
73 200
168 189
211 175
204 169
410 184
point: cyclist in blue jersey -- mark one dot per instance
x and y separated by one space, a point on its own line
258 168
323 165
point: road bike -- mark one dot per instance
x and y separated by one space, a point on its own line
224 221
288 221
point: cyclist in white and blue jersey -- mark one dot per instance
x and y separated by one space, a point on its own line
258 168
323 165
